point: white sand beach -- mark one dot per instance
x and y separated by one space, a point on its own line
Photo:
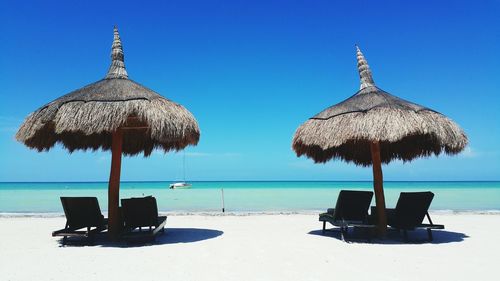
254 247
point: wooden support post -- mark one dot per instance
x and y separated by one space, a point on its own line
114 227
378 188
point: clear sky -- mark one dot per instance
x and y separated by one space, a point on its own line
251 72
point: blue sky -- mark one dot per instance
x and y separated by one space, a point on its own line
251 72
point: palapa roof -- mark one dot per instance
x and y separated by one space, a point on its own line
87 117
405 130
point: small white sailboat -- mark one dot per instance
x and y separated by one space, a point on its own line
178 185
181 184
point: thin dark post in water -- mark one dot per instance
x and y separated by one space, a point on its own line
222 194
114 184
378 188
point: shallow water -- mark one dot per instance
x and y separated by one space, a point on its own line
246 196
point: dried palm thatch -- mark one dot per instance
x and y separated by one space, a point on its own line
86 118
405 130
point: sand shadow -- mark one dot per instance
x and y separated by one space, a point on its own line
394 237
187 235
170 236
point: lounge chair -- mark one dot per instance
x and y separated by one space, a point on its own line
83 218
141 220
351 210
410 211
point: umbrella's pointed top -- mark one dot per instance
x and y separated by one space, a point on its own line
365 73
117 68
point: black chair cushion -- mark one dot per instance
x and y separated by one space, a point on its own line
352 205
82 212
139 212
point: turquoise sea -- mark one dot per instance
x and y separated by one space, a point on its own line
245 196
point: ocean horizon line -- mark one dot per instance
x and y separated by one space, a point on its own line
194 181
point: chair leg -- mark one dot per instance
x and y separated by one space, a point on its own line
343 233
91 240
324 227
429 234
368 235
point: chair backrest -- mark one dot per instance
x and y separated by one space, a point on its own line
139 212
82 212
412 208
352 205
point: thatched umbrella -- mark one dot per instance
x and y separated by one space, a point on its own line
373 127
113 113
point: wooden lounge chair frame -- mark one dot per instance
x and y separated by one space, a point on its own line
141 220
83 218
351 210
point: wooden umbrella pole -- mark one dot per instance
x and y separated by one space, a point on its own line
378 187
114 185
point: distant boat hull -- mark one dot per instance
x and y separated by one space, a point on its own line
179 185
